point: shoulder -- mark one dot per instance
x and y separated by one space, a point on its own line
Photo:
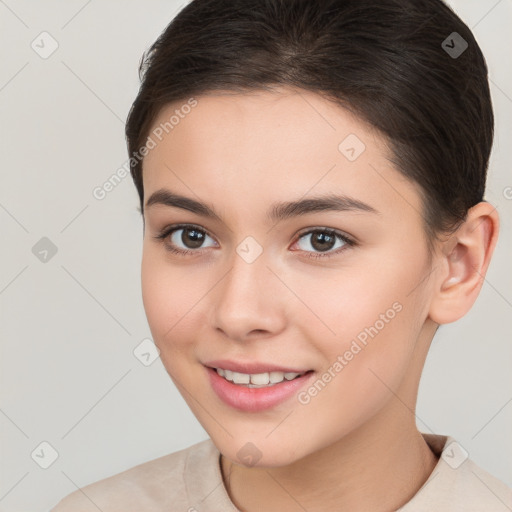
152 486
458 484
476 489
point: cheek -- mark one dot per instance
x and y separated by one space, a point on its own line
370 314
169 294
342 303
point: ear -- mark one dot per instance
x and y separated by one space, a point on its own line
462 263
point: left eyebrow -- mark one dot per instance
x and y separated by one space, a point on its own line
331 202
277 212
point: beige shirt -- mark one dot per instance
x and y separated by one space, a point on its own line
190 480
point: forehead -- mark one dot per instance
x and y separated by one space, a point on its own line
286 120
270 146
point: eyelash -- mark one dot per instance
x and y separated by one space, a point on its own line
185 252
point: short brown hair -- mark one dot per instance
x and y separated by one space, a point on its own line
385 60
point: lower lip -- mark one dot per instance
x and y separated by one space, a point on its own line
255 399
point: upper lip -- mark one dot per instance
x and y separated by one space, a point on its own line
252 367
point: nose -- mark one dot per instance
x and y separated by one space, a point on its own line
249 302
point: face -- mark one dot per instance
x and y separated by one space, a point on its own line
238 277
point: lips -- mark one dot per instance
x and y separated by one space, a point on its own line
249 398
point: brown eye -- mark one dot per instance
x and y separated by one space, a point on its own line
325 242
185 239
192 238
321 240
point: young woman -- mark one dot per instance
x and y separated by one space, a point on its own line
311 177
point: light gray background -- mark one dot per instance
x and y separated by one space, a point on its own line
69 326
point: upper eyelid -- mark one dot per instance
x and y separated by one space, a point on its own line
336 231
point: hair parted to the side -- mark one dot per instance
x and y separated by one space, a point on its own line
381 59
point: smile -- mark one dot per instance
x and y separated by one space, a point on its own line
256 380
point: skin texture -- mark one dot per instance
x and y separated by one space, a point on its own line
355 445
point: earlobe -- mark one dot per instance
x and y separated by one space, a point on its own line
464 262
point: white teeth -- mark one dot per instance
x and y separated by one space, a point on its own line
241 378
261 379
256 379
276 377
